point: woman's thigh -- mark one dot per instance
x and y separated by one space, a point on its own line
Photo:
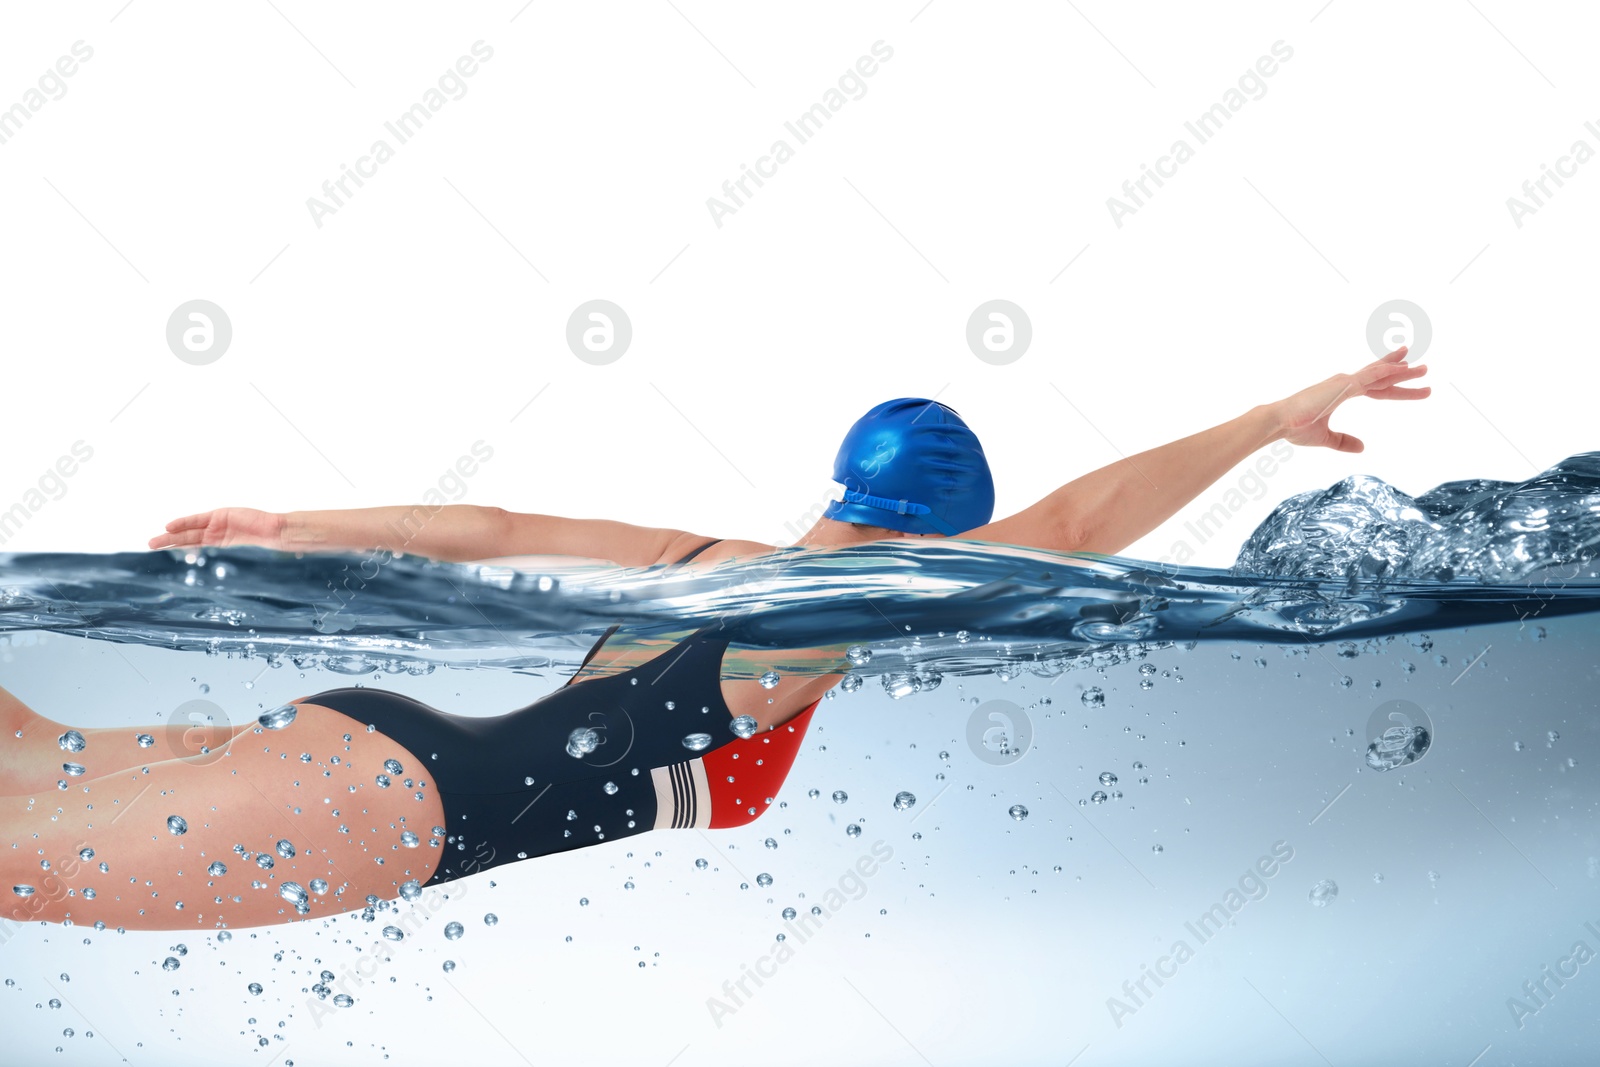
302 804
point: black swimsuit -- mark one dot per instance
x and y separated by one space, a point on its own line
571 769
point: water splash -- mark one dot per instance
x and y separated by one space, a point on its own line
1477 529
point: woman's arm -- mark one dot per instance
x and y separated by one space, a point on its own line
1109 509
454 533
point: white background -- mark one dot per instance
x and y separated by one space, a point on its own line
374 350
429 312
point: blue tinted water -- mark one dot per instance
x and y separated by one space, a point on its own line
1334 804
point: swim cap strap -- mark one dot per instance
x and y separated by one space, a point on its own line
901 507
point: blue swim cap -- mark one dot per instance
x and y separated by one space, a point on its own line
913 465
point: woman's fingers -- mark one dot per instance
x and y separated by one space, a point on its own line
1382 375
1397 392
187 531
1397 355
180 533
181 539
1343 442
189 522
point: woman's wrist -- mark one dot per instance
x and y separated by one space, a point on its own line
1269 419
297 532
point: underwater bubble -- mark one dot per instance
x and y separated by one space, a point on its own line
491 919
86 854
343 1000
411 890
1157 848
582 741
264 861
853 830
170 964
1553 736
583 902
223 935
453 931
177 824
763 879
944 755
697 742
392 766
408 839
72 741
744 726
850 683
789 913
1017 812
1107 778
319 886
901 684
1400 745
54 1003
382 780
286 850
278 718
1098 797
217 869
293 892
449 965
1377 878
255 989
858 655
610 789
1094 697
840 796
701 864
1322 893
813 793
89 894
144 741
394 933
769 679
771 842
23 890
904 800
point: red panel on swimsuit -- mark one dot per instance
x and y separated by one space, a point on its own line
758 765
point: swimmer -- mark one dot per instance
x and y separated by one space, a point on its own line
339 799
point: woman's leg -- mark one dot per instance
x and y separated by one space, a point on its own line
236 807
31 756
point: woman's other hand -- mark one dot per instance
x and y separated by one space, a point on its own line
223 528
1303 417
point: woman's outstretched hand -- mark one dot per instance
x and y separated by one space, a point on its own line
1304 416
223 528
